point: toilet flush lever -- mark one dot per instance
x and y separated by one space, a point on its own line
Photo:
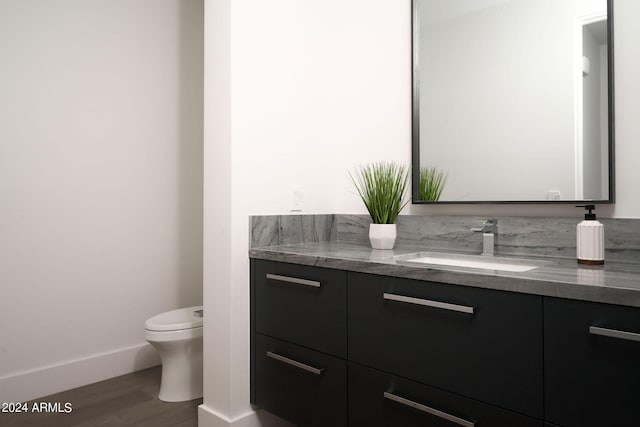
198 313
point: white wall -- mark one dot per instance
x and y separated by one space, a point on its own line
100 184
298 93
627 102
316 88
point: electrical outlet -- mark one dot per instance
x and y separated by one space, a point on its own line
553 195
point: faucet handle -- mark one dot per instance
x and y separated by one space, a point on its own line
488 226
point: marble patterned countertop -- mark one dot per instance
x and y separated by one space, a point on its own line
613 283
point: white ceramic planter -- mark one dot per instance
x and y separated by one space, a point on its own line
382 236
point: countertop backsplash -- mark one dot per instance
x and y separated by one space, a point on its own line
519 236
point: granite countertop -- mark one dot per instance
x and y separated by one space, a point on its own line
614 282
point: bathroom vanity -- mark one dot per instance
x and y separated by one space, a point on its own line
345 336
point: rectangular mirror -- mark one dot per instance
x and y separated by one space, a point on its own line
513 101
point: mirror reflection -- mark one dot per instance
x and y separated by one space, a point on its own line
512 100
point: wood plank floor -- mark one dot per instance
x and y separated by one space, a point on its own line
128 400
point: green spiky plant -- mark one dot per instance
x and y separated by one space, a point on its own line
381 187
432 182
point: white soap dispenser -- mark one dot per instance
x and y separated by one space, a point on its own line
590 238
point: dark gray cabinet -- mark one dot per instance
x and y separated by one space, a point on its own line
379 399
303 305
592 364
301 385
299 342
479 343
336 348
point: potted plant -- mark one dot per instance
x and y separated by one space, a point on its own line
381 187
432 182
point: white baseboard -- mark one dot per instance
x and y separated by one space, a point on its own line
36 383
208 417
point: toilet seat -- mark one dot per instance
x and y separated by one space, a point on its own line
168 336
175 320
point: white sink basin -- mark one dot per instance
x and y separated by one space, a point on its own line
470 261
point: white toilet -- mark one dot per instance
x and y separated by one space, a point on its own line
177 335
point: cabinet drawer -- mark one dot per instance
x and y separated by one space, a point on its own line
303 386
377 399
592 363
479 343
301 304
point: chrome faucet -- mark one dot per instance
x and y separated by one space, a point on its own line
489 232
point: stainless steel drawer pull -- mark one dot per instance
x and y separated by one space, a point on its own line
317 371
428 303
295 280
612 333
429 410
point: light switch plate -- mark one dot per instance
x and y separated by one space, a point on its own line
296 196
